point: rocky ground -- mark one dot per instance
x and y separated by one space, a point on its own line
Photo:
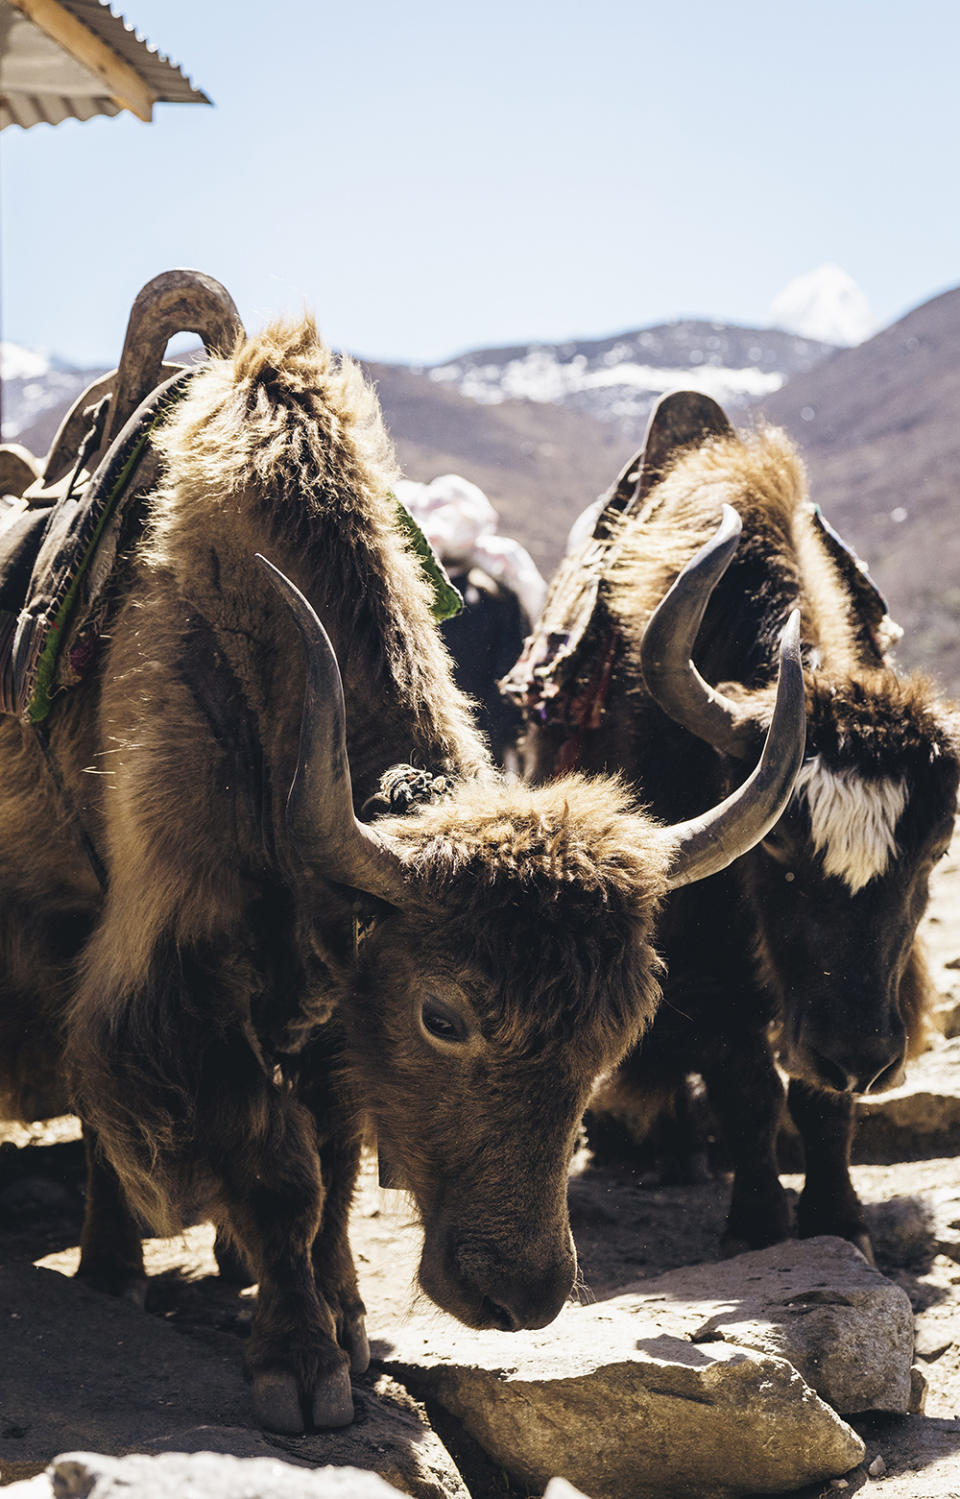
444 1412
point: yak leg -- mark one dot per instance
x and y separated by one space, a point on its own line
184 1106
272 1194
232 1263
333 1265
684 1146
111 1252
829 1203
747 1097
320 1087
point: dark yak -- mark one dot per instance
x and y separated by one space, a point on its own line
266 973
816 927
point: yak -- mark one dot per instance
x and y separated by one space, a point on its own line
315 908
814 932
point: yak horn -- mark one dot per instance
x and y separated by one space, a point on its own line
321 823
709 843
668 642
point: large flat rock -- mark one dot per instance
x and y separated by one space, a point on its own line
208 1475
817 1303
83 1371
624 1410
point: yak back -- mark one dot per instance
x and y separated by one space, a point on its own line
280 448
588 705
781 561
862 713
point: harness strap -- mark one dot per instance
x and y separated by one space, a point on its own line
73 811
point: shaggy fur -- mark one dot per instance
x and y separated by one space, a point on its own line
590 870
212 1018
816 927
852 821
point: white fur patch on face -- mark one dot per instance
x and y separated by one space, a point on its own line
852 821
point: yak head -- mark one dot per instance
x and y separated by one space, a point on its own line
841 882
504 961
837 888
485 1009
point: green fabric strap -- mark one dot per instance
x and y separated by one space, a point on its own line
41 700
447 600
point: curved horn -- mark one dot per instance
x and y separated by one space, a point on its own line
321 822
709 843
180 301
668 642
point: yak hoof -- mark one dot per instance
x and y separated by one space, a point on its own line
357 1345
276 1400
862 1242
122 1285
332 1399
135 1291
730 1246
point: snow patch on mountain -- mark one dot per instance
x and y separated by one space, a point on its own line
620 379
540 376
22 364
617 379
825 304
35 383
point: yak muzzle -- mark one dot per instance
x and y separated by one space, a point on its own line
868 1064
486 1286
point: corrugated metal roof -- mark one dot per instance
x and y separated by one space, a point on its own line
41 81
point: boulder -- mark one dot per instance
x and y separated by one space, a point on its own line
624 1410
391 1436
84 1370
197 1475
815 1302
38 1487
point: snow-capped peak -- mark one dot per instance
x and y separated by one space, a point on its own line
22 364
35 382
825 304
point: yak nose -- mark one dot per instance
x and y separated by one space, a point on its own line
874 1063
517 1295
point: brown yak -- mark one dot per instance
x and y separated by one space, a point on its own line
265 971
816 927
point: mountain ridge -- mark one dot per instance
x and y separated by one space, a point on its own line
876 425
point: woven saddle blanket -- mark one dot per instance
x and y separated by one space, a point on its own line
562 676
59 560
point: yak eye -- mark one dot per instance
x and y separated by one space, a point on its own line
443 1022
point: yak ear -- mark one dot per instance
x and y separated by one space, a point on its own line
682 419
321 823
707 844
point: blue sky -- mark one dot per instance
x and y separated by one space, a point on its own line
433 176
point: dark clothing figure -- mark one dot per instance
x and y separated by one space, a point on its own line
485 639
